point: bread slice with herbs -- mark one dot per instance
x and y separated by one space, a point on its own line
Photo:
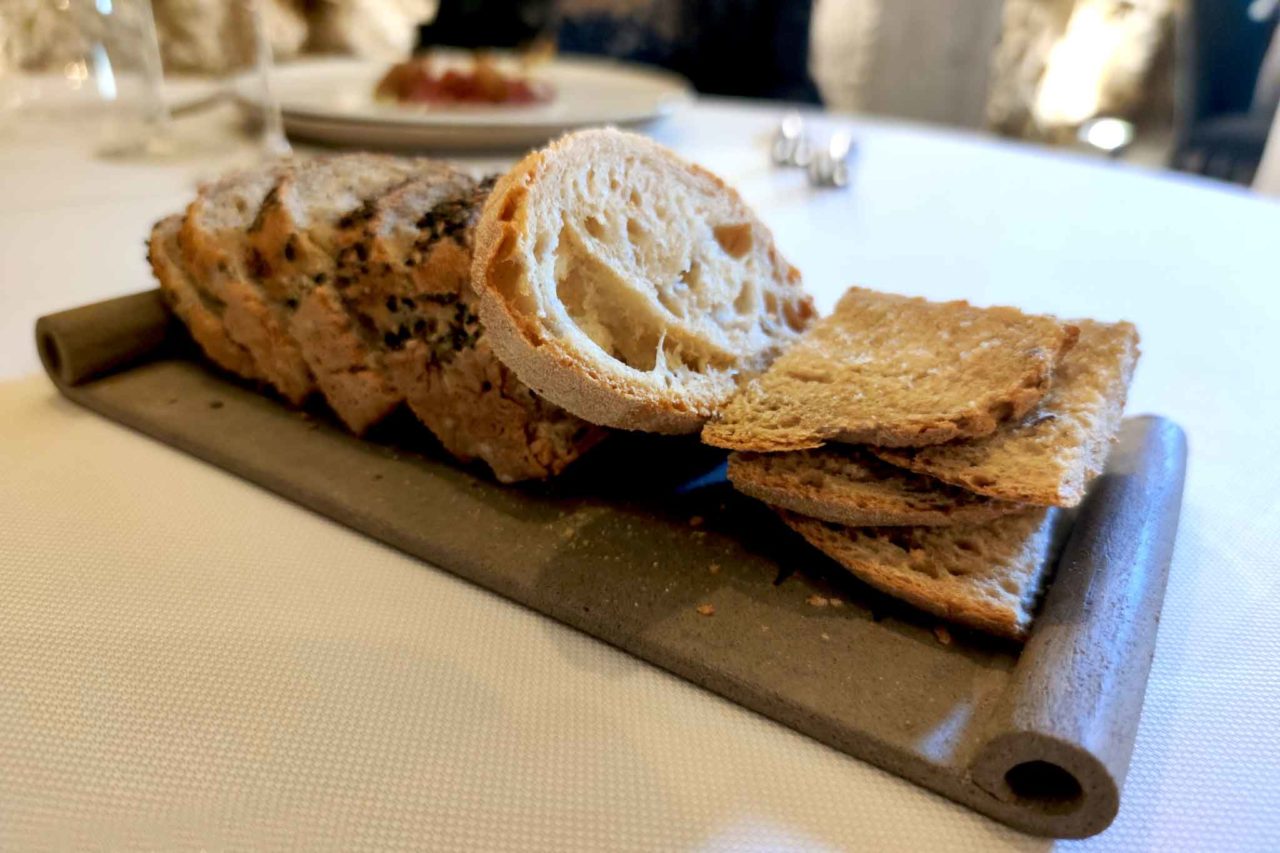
985 576
404 273
200 312
293 247
628 286
896 371
1049 457
214 248
847 485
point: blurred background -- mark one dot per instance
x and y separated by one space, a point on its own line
1190 85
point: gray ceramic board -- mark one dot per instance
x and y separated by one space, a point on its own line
623 547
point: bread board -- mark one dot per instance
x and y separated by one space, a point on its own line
633 543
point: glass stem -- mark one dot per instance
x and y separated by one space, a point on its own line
274 141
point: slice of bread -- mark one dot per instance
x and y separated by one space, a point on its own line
213 246
896 371
628 286
293 246
849 486
201 312
1051 455
985 576
415 297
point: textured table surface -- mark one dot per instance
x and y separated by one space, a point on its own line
186 660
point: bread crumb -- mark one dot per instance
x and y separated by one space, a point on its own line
817 601
714 569
836 602
696 521
706 610
568 533
943 635
826 636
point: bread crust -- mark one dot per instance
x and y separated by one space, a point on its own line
183 298
550 366
221 269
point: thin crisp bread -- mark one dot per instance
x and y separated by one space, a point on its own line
896 371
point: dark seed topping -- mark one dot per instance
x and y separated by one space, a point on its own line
258 266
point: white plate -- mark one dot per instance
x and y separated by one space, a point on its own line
332 101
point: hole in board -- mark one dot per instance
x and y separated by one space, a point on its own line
1043 782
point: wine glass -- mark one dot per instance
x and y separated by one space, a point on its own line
110 65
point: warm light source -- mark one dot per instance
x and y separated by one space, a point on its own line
1111 135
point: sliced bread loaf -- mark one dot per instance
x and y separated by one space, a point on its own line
213 246
405 274
201 312
847 485
896 371
293 245
984 576
629 286
1049 457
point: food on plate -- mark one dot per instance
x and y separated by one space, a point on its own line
419 81
896 371
628 286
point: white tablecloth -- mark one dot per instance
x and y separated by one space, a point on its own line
186 660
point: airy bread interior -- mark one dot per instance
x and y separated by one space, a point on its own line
628 286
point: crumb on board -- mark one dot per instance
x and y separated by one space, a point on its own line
568 533
836 602
696 521
943 635
714 568
706 610
826 636
816 600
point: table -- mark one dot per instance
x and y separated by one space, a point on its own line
186 660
